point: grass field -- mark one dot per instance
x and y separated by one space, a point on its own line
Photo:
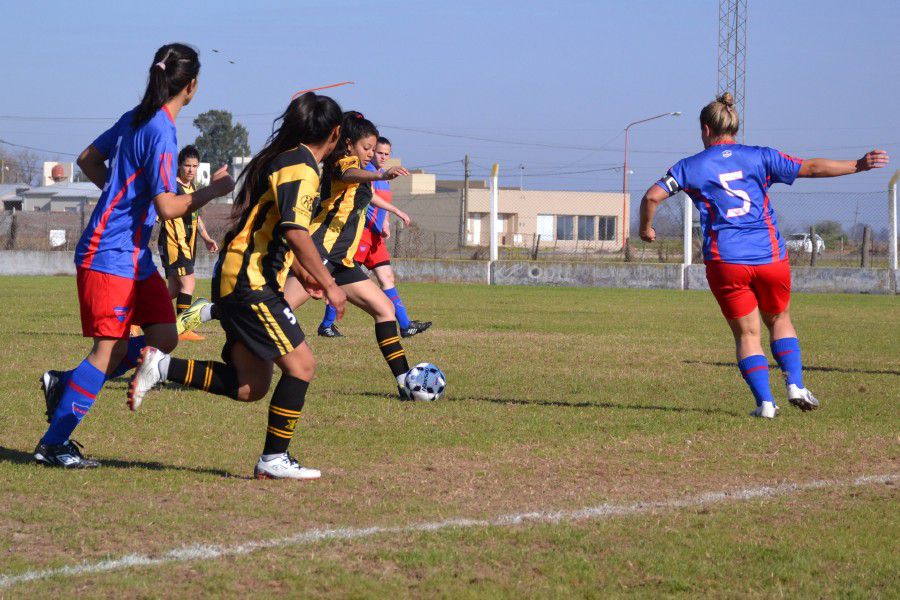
558 399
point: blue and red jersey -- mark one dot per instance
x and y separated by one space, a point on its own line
729 185
375 216
141 166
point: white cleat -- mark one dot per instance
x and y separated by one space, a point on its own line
284 466
802 398
767 410
146 375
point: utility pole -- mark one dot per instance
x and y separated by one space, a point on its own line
521 177
464 217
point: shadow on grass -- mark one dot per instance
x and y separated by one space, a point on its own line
805 368
556 403
19 457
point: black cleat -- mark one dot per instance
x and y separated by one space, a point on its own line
414 328
331 331
66 456
52 391
403 393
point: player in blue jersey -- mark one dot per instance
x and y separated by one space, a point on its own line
118 284
746 262
373 252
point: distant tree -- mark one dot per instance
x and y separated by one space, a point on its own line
219 139
19 167
830 231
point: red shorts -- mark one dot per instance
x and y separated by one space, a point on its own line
111 304
739 289
372 250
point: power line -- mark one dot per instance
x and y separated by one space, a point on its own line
37 149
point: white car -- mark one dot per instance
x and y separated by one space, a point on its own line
801 242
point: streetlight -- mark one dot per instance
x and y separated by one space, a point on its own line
625 170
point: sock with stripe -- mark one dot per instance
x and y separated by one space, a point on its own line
81 388
389 342
787 354
330 316
129 361
755 370
182 302
399 309
284 413
206 375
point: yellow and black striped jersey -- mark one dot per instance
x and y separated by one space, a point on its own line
178 237
338 220
255 258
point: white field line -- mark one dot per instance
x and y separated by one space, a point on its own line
603 511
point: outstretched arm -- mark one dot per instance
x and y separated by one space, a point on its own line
824 167
384 205
649 203
356 175
171 206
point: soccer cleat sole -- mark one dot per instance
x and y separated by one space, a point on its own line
803 404
262 476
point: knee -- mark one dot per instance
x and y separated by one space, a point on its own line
387 279
166 340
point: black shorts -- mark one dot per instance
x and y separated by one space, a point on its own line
179 268
344 275
267 328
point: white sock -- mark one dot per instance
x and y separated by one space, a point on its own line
163 366
206 313
401 379
268 457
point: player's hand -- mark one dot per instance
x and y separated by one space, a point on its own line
211 245
873 160
222 183
337 298
385 233
403 217
393 173
648 235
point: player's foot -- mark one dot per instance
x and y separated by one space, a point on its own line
330 331
191 336
766 410
191 317
283 466
146 375
802 398
52 391
66 455
415 327
403 393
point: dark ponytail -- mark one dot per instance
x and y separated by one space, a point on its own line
174 66
354 127
308 119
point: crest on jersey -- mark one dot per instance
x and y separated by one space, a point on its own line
726 153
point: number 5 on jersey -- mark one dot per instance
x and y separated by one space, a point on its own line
724 178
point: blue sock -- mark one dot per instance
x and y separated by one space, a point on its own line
82 386
135 345
787 354
755 370
399 309
330 316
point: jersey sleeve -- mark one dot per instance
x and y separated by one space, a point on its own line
781 167
295 199
106 141
158 163
344 165
674 179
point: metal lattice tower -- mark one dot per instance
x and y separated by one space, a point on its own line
733 53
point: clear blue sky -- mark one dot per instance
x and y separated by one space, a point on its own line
823 76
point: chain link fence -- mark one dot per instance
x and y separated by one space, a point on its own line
820 228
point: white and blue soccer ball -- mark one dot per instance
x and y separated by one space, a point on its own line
425 382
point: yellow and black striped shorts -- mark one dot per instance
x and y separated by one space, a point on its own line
267 328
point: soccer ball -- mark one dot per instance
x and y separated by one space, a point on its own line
425 382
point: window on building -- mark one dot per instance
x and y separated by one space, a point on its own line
606 228
545 227
565 227
585 228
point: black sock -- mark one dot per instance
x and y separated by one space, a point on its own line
215 313
209 376
284 412
389 341
182 302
